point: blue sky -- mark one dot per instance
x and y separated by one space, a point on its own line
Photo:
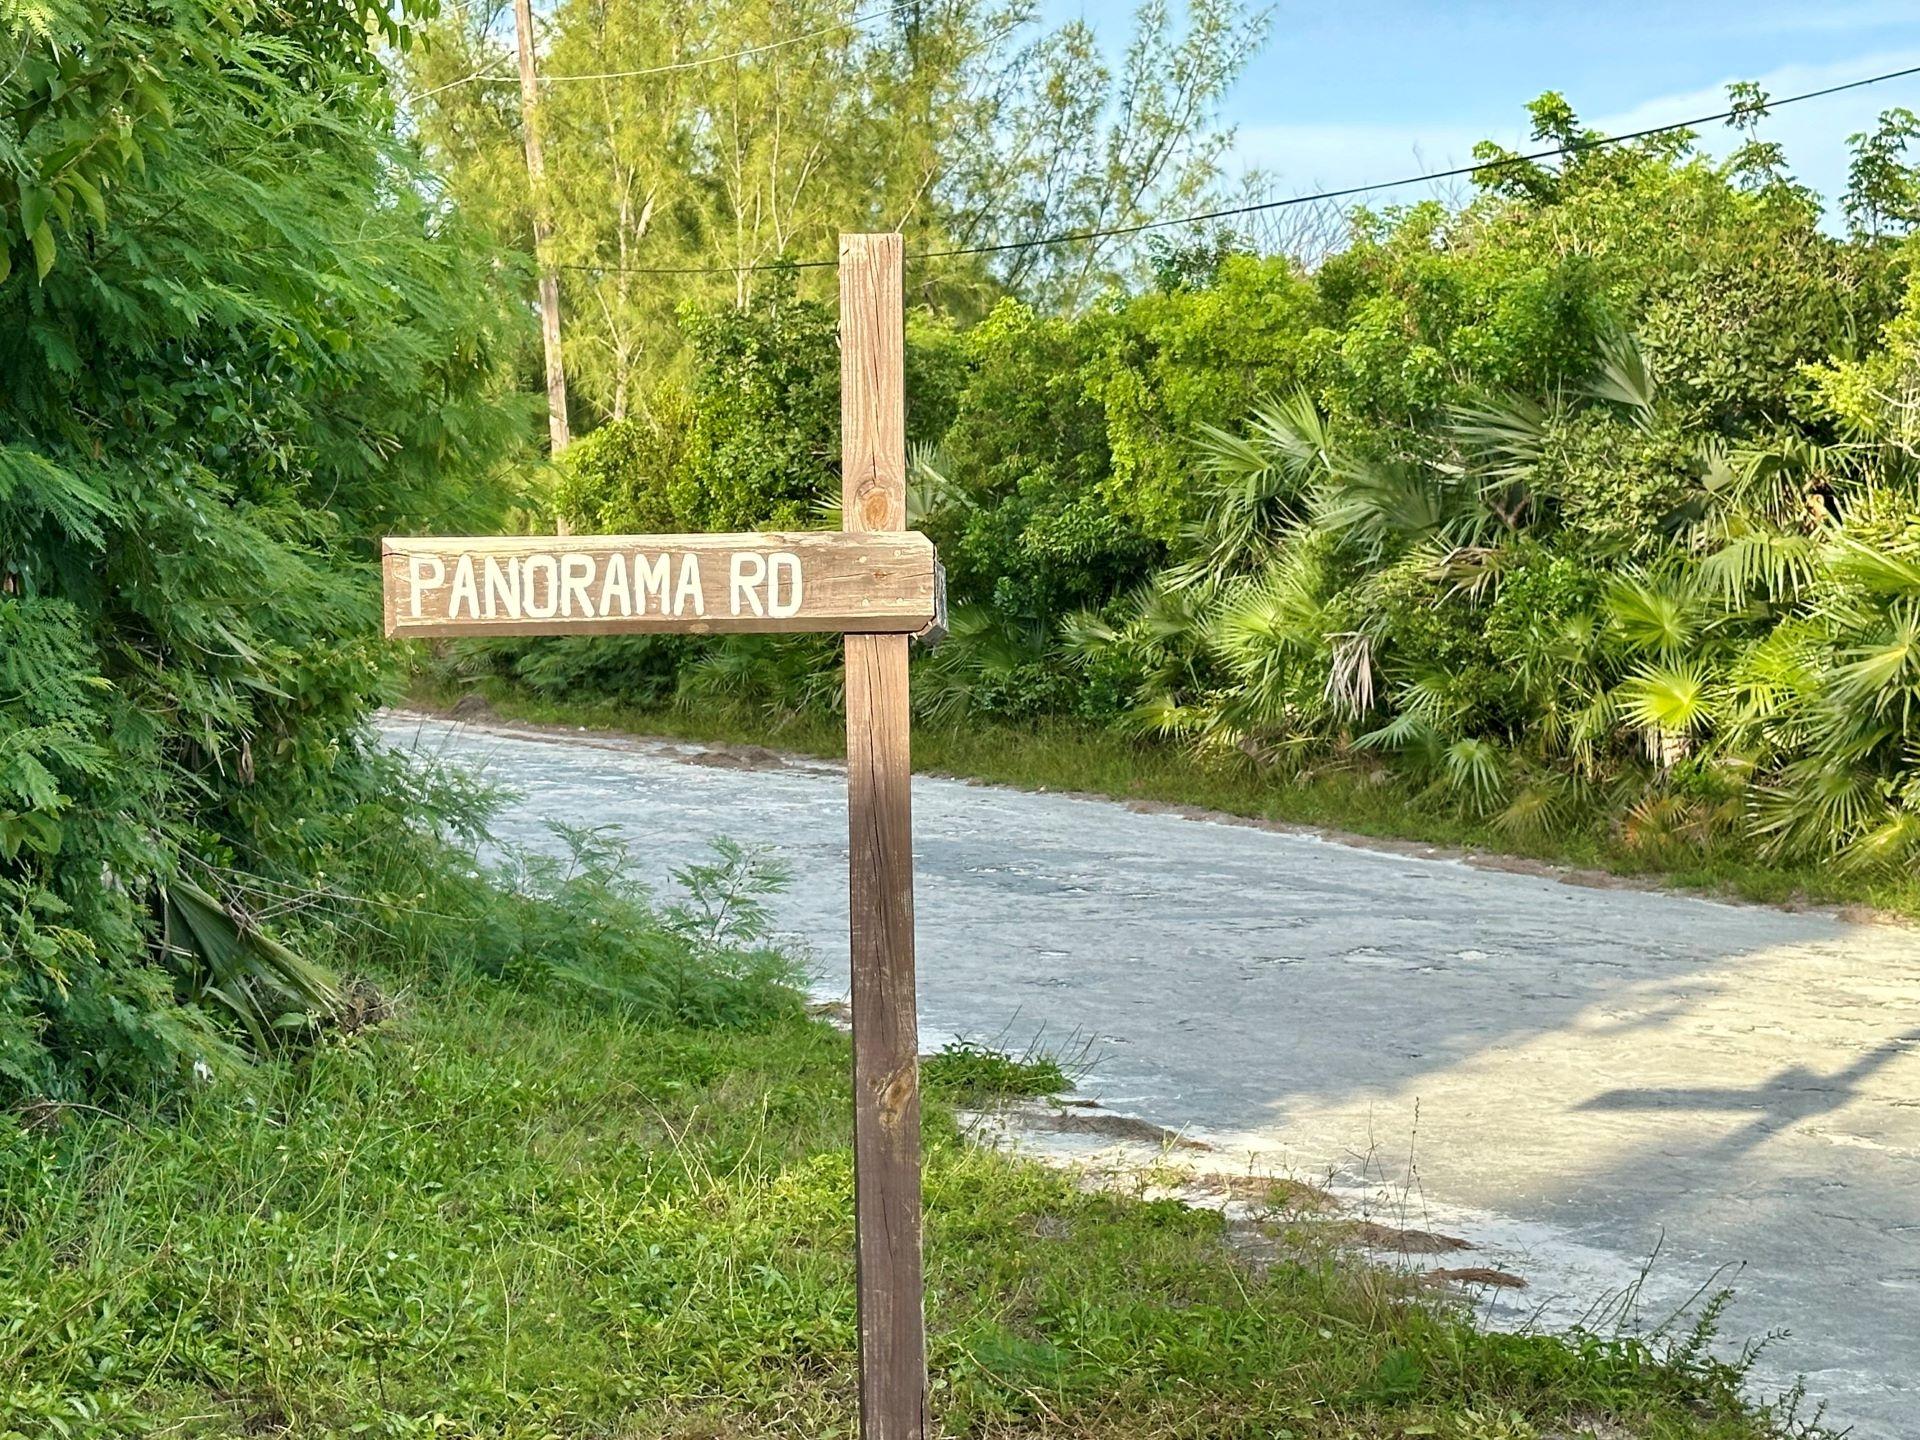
1349 91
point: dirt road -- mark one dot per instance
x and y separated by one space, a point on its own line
1576 1079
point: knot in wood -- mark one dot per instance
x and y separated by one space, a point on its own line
875 509
898 1093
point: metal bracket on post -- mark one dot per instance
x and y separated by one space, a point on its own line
936 630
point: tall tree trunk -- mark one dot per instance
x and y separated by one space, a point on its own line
558 432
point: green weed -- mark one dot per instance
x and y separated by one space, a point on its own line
971 1074
593 1178
515 1212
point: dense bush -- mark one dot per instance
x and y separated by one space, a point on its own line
239 345
1576 514
749 437
1590 497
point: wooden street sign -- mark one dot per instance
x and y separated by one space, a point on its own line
634 584
878 584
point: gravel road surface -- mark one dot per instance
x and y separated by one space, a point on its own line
1587 1083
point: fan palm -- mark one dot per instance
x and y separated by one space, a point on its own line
986 651
1257 484
1622 378
1659 614
1384 508
1268 631
1155 631
1504 438
1672 704
1474 771
1758 564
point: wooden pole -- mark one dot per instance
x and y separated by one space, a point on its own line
558 433
886 1073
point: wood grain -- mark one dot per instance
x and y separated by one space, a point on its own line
886 1075
639 584
873 406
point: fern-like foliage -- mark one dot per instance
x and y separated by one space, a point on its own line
240 344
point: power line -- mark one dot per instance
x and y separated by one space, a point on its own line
485 76
485 71
757 267
1576 147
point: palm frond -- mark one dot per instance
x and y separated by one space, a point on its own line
226 960
1762 564
1880 570
1817 807
1674 699
1474 771
1086 632
1349 687
1162 716
1624 378
1890 845
1538 808
1880 676
986 651
1506 433
1655 614
1257 481
1383 508
1663 826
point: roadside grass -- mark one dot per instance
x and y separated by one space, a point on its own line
968 1074
1060 756
521 1212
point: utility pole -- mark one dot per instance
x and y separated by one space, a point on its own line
557 430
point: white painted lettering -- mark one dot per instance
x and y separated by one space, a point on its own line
749 572
689 587
425 572
576 574
650 577
613 586
783 565
503 587
465 588
540 587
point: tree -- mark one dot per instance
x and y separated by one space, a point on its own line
1068 147
1883 191
733 138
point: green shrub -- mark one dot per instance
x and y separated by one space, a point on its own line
620 478
240 345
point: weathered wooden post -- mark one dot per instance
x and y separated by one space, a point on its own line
886 1073
879 585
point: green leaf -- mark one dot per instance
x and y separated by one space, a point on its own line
1673 699
34 202
91 197
44 251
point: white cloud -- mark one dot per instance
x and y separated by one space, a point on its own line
1297 158
1813 132
1803 19
1329 156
